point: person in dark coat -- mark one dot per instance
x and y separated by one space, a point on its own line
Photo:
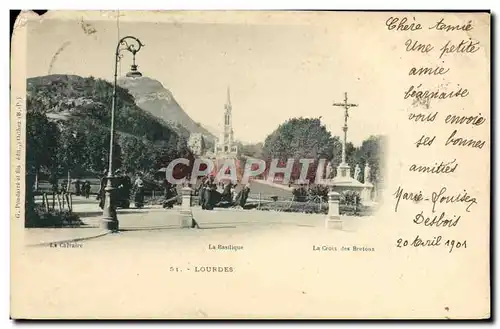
201 192
210 197
86 189
78 190
207 192
64 186
170 193
241 198
226 194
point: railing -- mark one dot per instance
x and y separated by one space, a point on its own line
64 201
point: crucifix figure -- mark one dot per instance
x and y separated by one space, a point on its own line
346 106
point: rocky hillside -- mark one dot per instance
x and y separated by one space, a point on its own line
80 109
74 99
153 97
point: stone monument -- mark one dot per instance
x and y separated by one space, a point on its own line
333 218
343 180
357 173
186 217
366 195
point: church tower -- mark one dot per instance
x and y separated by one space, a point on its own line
228 124
226 145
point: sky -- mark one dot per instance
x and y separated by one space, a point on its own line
277 69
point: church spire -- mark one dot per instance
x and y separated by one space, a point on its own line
225 145
228 100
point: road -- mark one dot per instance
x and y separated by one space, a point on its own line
151 269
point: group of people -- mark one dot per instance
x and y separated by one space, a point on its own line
209 197
170 193
123 189
81 188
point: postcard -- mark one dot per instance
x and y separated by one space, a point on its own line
250 165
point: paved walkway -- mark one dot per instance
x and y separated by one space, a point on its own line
156 218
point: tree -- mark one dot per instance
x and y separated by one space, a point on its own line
300 138
42 141
41 145
372 152
81 108
136 154
251 150
96 150
70 154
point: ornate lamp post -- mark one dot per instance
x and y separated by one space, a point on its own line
109 218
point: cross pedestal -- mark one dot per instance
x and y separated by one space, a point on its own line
343 170
333 220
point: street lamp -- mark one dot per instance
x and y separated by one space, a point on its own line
109 217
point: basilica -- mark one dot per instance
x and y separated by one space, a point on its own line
225 146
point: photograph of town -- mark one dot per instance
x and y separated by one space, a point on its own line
215 154
250 165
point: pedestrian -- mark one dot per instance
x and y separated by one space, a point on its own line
226 193
233 193
139 191
86 189
77 184
208 196
170 194
201 192
244 195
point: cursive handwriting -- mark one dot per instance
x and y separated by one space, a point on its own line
464 142
464 47
418 242
401 194
434 242
425 141
438 70
436 94
437 221
394 23
475 120
430 117
442 26
441 197
414 45
442 168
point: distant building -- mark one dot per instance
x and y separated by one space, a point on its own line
196 144
225 146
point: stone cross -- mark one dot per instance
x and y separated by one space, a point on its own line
346 106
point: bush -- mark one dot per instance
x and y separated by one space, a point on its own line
321 191
303 194
350 198
299 194
54 218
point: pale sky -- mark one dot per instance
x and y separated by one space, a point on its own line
276 71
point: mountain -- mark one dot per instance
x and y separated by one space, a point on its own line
74 100
80 109
213 131
151 96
